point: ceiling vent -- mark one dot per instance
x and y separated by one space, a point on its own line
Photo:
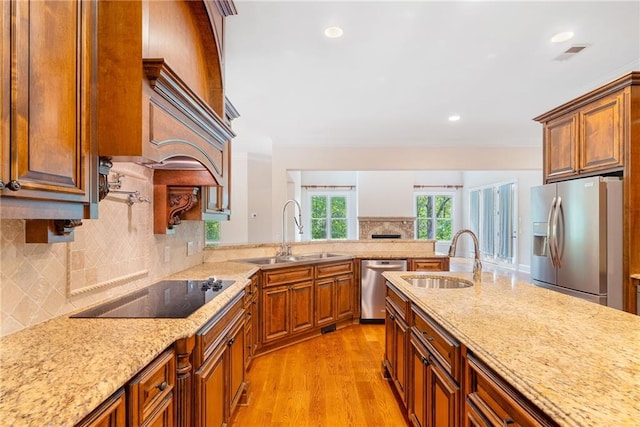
570 53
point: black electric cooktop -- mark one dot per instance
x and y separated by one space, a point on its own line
165 299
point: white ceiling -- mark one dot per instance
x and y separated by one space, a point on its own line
402 68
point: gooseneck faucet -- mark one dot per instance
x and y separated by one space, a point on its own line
477 265
285 250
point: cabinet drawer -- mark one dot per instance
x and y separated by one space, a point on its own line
442 345
491 399
398 302
215 331
429 264
289 275
152 387
326 270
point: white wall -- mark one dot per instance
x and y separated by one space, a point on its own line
385 193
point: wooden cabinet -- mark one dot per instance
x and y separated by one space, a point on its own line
491 401
48 163
287 310
395 361
435 372
586 141
219 360
429 264
161 96
150 393
334 292
251 319
111 413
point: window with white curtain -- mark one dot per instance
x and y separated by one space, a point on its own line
492 213
329 215
434 216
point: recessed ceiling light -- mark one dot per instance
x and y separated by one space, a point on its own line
562 37
333 32
454 118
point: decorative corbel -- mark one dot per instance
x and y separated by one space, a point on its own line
181 199
66 226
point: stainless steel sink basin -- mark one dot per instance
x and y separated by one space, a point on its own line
290 258
437 282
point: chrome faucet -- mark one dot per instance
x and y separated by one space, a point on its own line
285 250
477 265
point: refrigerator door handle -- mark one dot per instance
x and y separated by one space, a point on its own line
549 235
556 215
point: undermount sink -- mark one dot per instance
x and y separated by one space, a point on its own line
289 258
437 282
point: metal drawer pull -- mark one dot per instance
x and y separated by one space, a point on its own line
425 360
427 336
231 341
508 422
162 386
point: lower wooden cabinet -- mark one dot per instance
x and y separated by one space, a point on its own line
150 393
434 397
491 401
395 361
429 264
286 310
111 413
219 378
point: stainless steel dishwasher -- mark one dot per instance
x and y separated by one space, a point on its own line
372 287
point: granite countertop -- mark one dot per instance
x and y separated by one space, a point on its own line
577 361
635 276
396 254
53 374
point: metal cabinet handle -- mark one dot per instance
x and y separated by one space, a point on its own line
162 386
231 341
425 360
428 338
392 317
507 422
14 185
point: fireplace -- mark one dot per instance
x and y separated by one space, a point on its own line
386 227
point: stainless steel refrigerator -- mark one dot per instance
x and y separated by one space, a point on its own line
577 238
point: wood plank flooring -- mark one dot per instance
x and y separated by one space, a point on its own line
334 380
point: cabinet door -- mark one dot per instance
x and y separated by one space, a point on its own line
401 336
560 148
210 387
344 296
51 154
255 325
301 307
417 405
236 364
443 396
325 302
389 341
111 413
164 417
275 313
601 144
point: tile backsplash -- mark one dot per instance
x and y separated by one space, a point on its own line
109 256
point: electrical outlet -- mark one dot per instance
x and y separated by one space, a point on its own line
167 253
189 248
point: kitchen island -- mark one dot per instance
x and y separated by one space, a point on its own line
578 362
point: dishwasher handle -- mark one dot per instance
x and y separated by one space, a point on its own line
387 267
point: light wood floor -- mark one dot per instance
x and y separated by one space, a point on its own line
330 381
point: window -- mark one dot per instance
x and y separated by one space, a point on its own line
434 216
492 212
329 216
211 232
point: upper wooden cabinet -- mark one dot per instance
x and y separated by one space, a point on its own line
48 110
161 94
587 136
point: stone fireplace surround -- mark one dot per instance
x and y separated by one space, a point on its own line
370 225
